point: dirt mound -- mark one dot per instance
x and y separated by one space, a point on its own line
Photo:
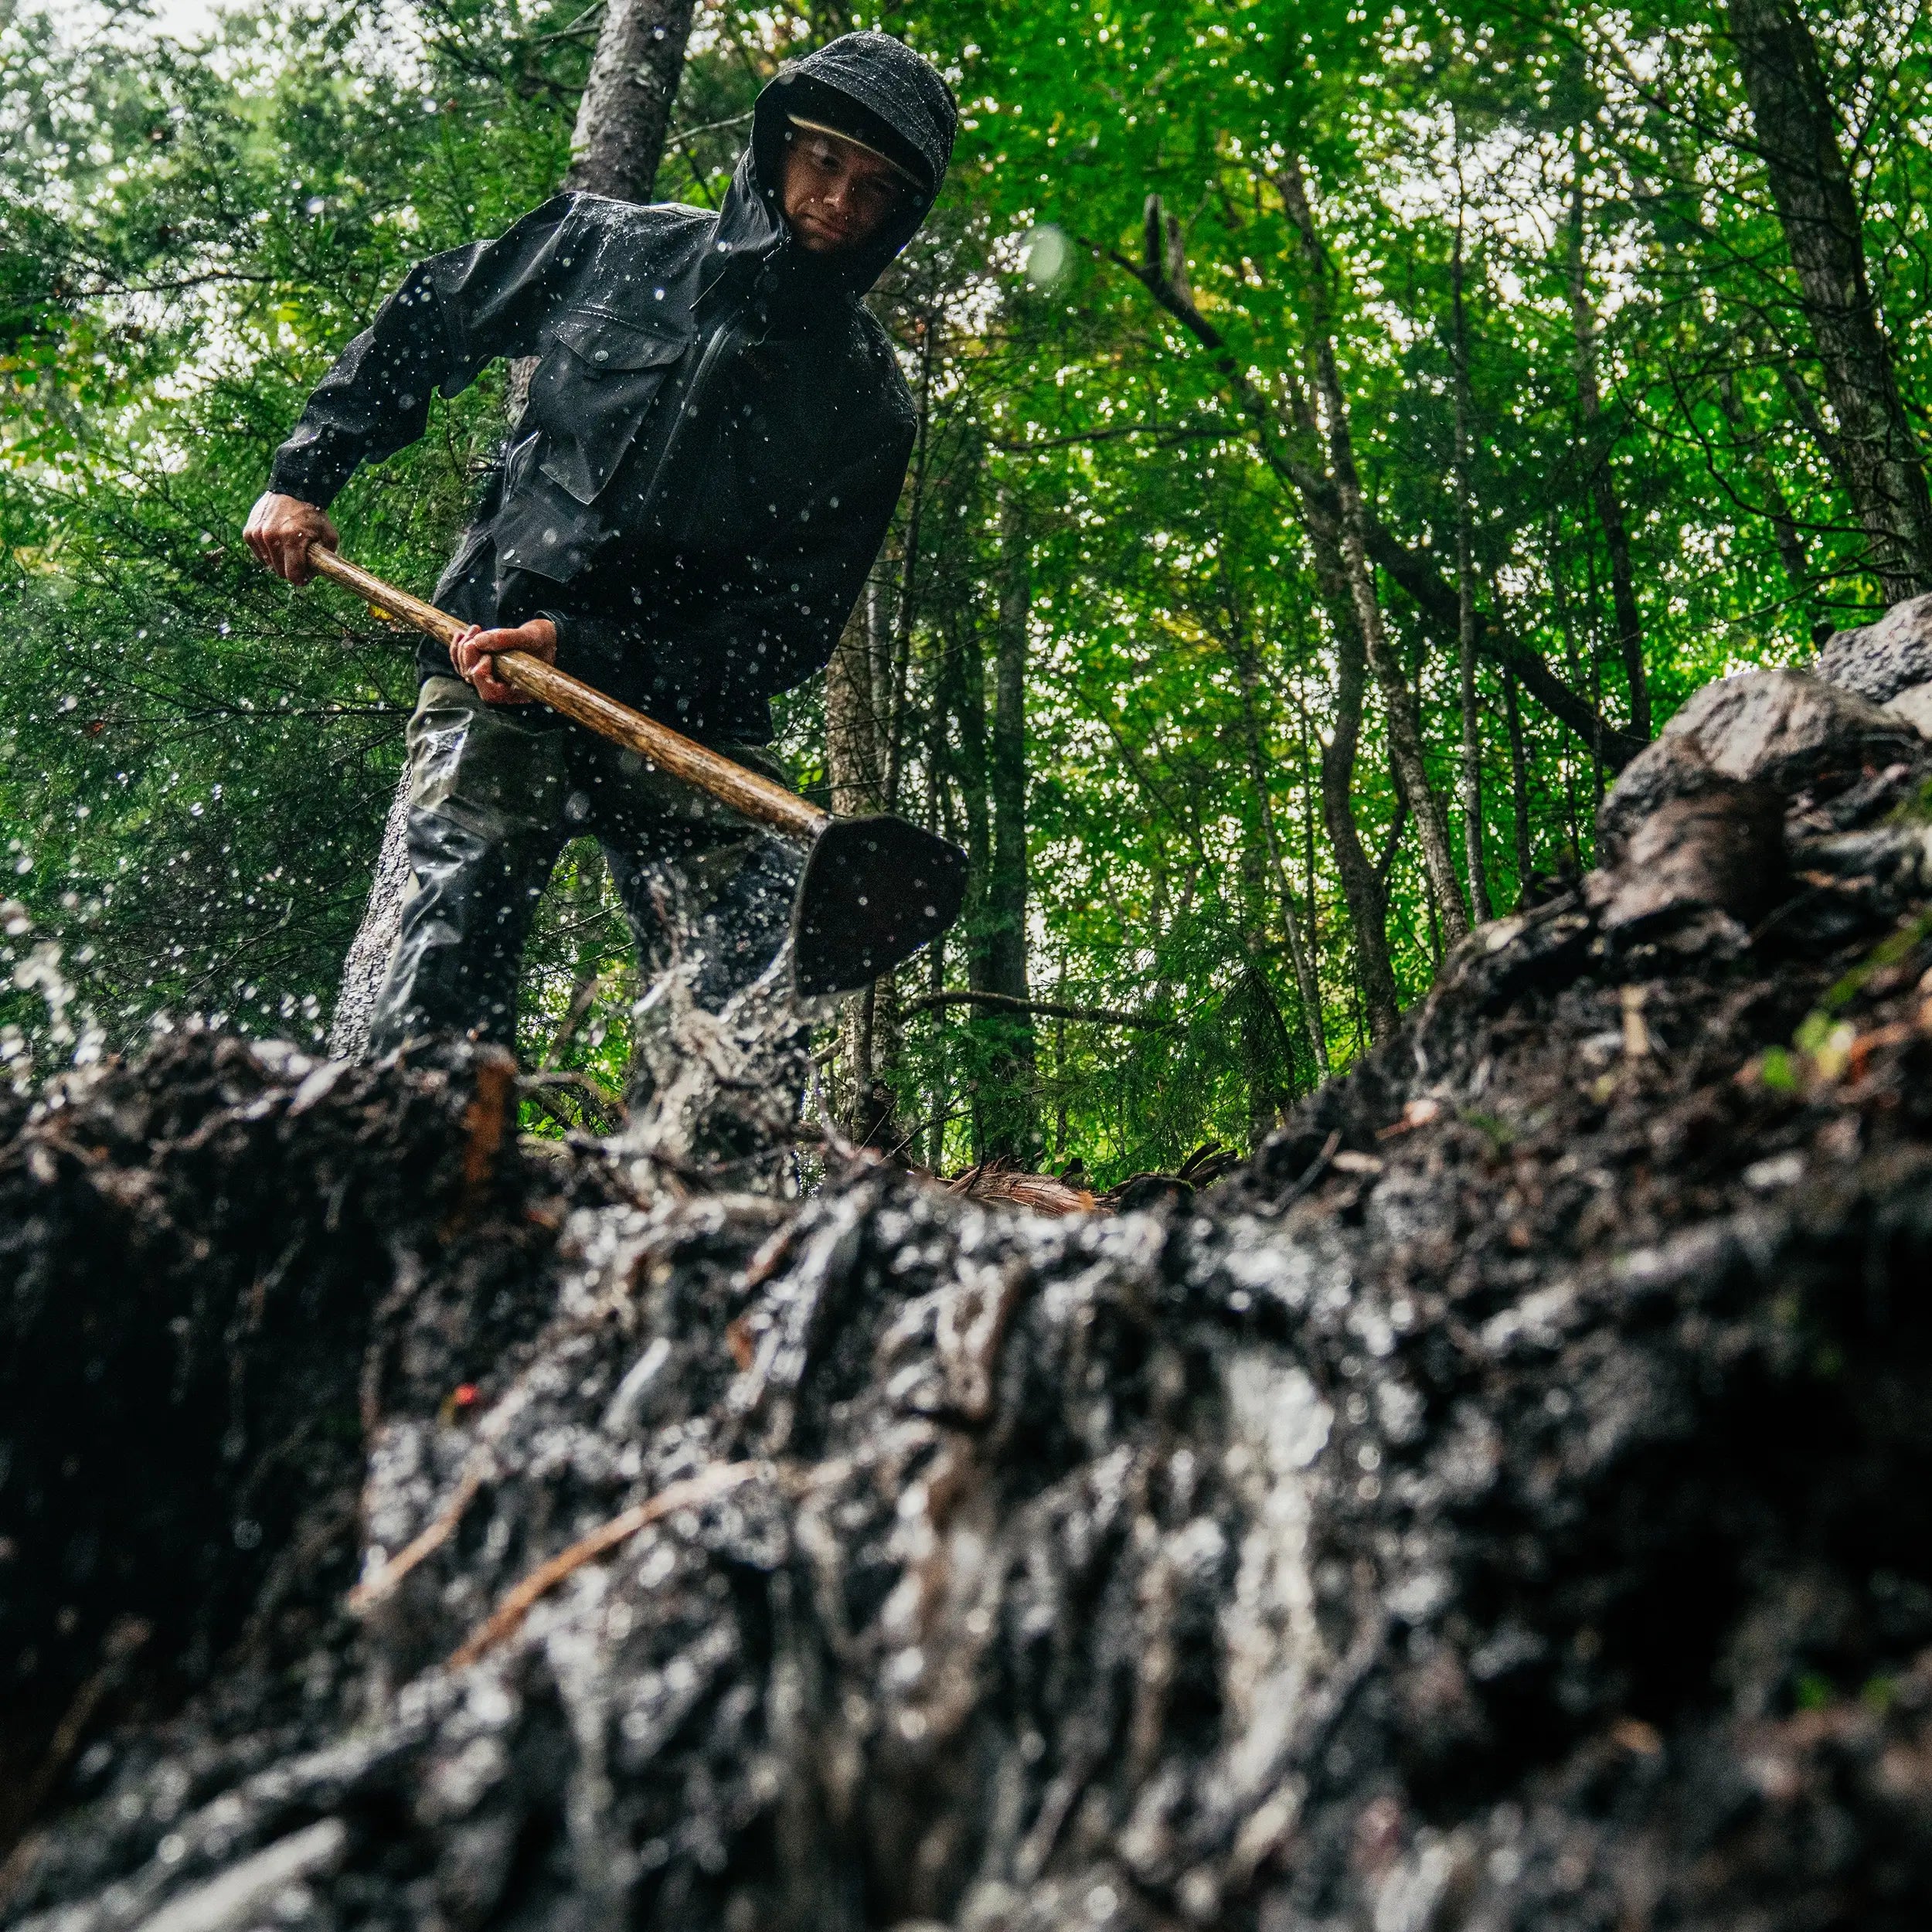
1505 1502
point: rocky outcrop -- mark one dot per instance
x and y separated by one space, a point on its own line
1503 1503
1889 661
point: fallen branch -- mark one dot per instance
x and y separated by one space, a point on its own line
381 1583
503 1621
1045 1008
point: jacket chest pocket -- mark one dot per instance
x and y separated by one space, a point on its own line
590 392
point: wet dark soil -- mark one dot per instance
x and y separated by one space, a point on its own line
1505 1502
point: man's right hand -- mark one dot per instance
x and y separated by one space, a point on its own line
280 530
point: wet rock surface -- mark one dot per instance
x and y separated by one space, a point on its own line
1879 660
1502 1503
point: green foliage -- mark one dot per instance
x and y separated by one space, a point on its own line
196 762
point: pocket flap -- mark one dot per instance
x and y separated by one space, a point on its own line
605 343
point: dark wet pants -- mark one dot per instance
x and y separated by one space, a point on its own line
495 793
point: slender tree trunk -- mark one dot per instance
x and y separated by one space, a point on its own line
1363 891
1797 141
965 682
1405 734
1518 781
1009 1111
897 656
367 964
1596 674
852 713
1777 509
1259 770
939 818
1472 774
623 116
1566 620
1603 481
853 761
1310 792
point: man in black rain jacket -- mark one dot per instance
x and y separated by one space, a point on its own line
714 442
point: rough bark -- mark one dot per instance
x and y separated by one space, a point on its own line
1403 721
368 961
624 112
1603 482
622 119
1811 183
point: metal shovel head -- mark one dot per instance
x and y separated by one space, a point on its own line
875 890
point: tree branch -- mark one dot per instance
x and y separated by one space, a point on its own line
1436 600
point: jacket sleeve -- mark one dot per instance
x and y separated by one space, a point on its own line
764 632
455 312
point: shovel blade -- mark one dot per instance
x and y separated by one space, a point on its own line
874 891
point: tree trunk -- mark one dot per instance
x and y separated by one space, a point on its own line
624 112
1777 508
1363 892
963 677
1008 1111
1362 887
1405 733
1603 482
1518 781
622 118
1797 141
854 763
1479 907
367 964
1259 766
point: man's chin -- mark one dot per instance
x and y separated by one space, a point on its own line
820 241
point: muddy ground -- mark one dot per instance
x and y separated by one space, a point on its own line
1505 1502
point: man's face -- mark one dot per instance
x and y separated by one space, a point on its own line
836 196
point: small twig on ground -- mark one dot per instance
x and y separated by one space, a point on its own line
503 1621
372 1590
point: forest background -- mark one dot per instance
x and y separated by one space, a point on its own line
1346 433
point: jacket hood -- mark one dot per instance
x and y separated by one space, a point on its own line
888 97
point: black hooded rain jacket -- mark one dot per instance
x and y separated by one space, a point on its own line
717 431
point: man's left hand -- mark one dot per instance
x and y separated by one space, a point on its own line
471 654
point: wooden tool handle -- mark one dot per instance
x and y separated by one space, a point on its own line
757 797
